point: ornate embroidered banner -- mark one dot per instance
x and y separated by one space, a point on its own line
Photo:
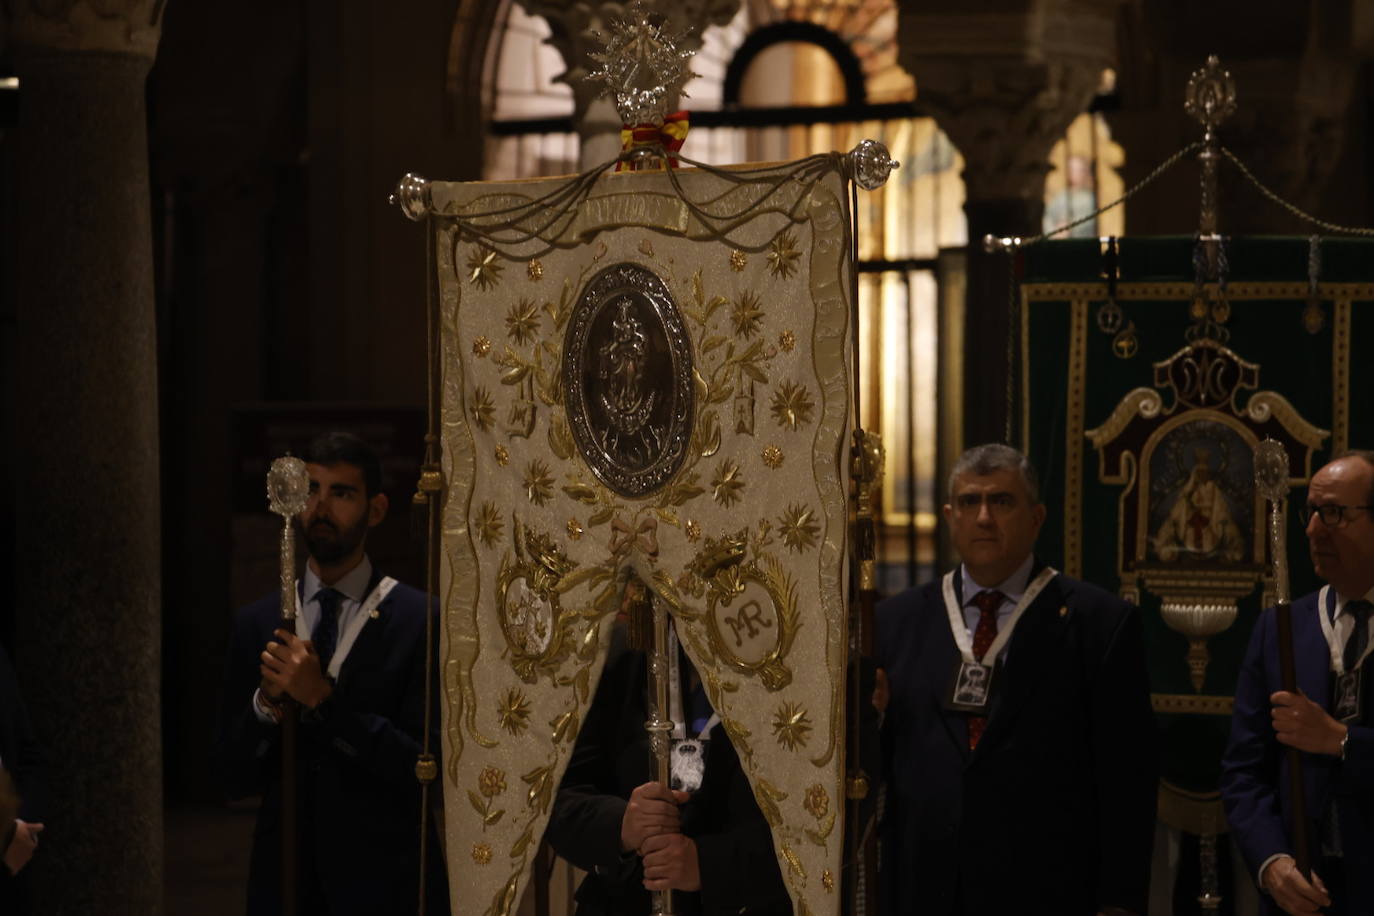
647 372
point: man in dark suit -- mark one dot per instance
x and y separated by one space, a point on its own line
1331 636
1018 732
355 669
711 847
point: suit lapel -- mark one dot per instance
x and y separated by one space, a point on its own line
1033 649
1311 655
369 643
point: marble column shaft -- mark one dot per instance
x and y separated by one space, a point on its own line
88 535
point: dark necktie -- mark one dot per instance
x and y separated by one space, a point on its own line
1359 639
988 602
326 632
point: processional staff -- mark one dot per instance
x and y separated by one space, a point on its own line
288 492
1271 479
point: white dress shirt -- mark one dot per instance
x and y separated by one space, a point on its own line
352 589
1012 588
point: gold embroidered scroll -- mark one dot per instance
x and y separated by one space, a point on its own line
643 377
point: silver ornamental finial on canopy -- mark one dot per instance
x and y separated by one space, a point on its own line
869 164
412 196
1271 479
1211 95
643 65
288 492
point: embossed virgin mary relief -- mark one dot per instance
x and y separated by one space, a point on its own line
627 378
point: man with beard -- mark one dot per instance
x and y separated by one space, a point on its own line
354 674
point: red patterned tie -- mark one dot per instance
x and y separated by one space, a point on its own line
988 602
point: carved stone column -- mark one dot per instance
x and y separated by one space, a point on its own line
1295 67
574 24
88 542
1004 84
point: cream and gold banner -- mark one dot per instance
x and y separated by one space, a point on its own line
643 373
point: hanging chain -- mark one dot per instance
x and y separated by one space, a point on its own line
1292 208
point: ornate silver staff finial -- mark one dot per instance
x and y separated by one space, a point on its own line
869 164
643 65
1271 479
288 493
1211 95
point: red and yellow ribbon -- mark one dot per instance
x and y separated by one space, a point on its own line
670 136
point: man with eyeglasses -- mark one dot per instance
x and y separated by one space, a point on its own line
1329 719
1018 735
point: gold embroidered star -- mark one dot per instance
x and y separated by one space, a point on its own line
783 255
490 526
514 712
482 408
792 405
481 346
483 267
481 853
772 456
534 270
797 528
727 483
787 341
538 482
791 726
522 321
747 314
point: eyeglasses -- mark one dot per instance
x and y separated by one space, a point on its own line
1331 515
998 503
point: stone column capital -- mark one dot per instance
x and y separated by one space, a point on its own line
101 26
1006 84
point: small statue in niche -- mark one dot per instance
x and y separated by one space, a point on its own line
629 438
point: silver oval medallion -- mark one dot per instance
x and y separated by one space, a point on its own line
627 379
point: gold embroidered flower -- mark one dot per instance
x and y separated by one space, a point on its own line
483 267
792 405
798 528
727 483
787 340
574 529
791 726
481 853
481 346
783 255
502 455
514 711
491 782
772 456
693 530
522 321
534 270
827 880
747 314
738 260
489 524
482 408
538 482
817 802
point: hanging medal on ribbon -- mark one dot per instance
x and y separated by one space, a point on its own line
688 754
971 685
1347 695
